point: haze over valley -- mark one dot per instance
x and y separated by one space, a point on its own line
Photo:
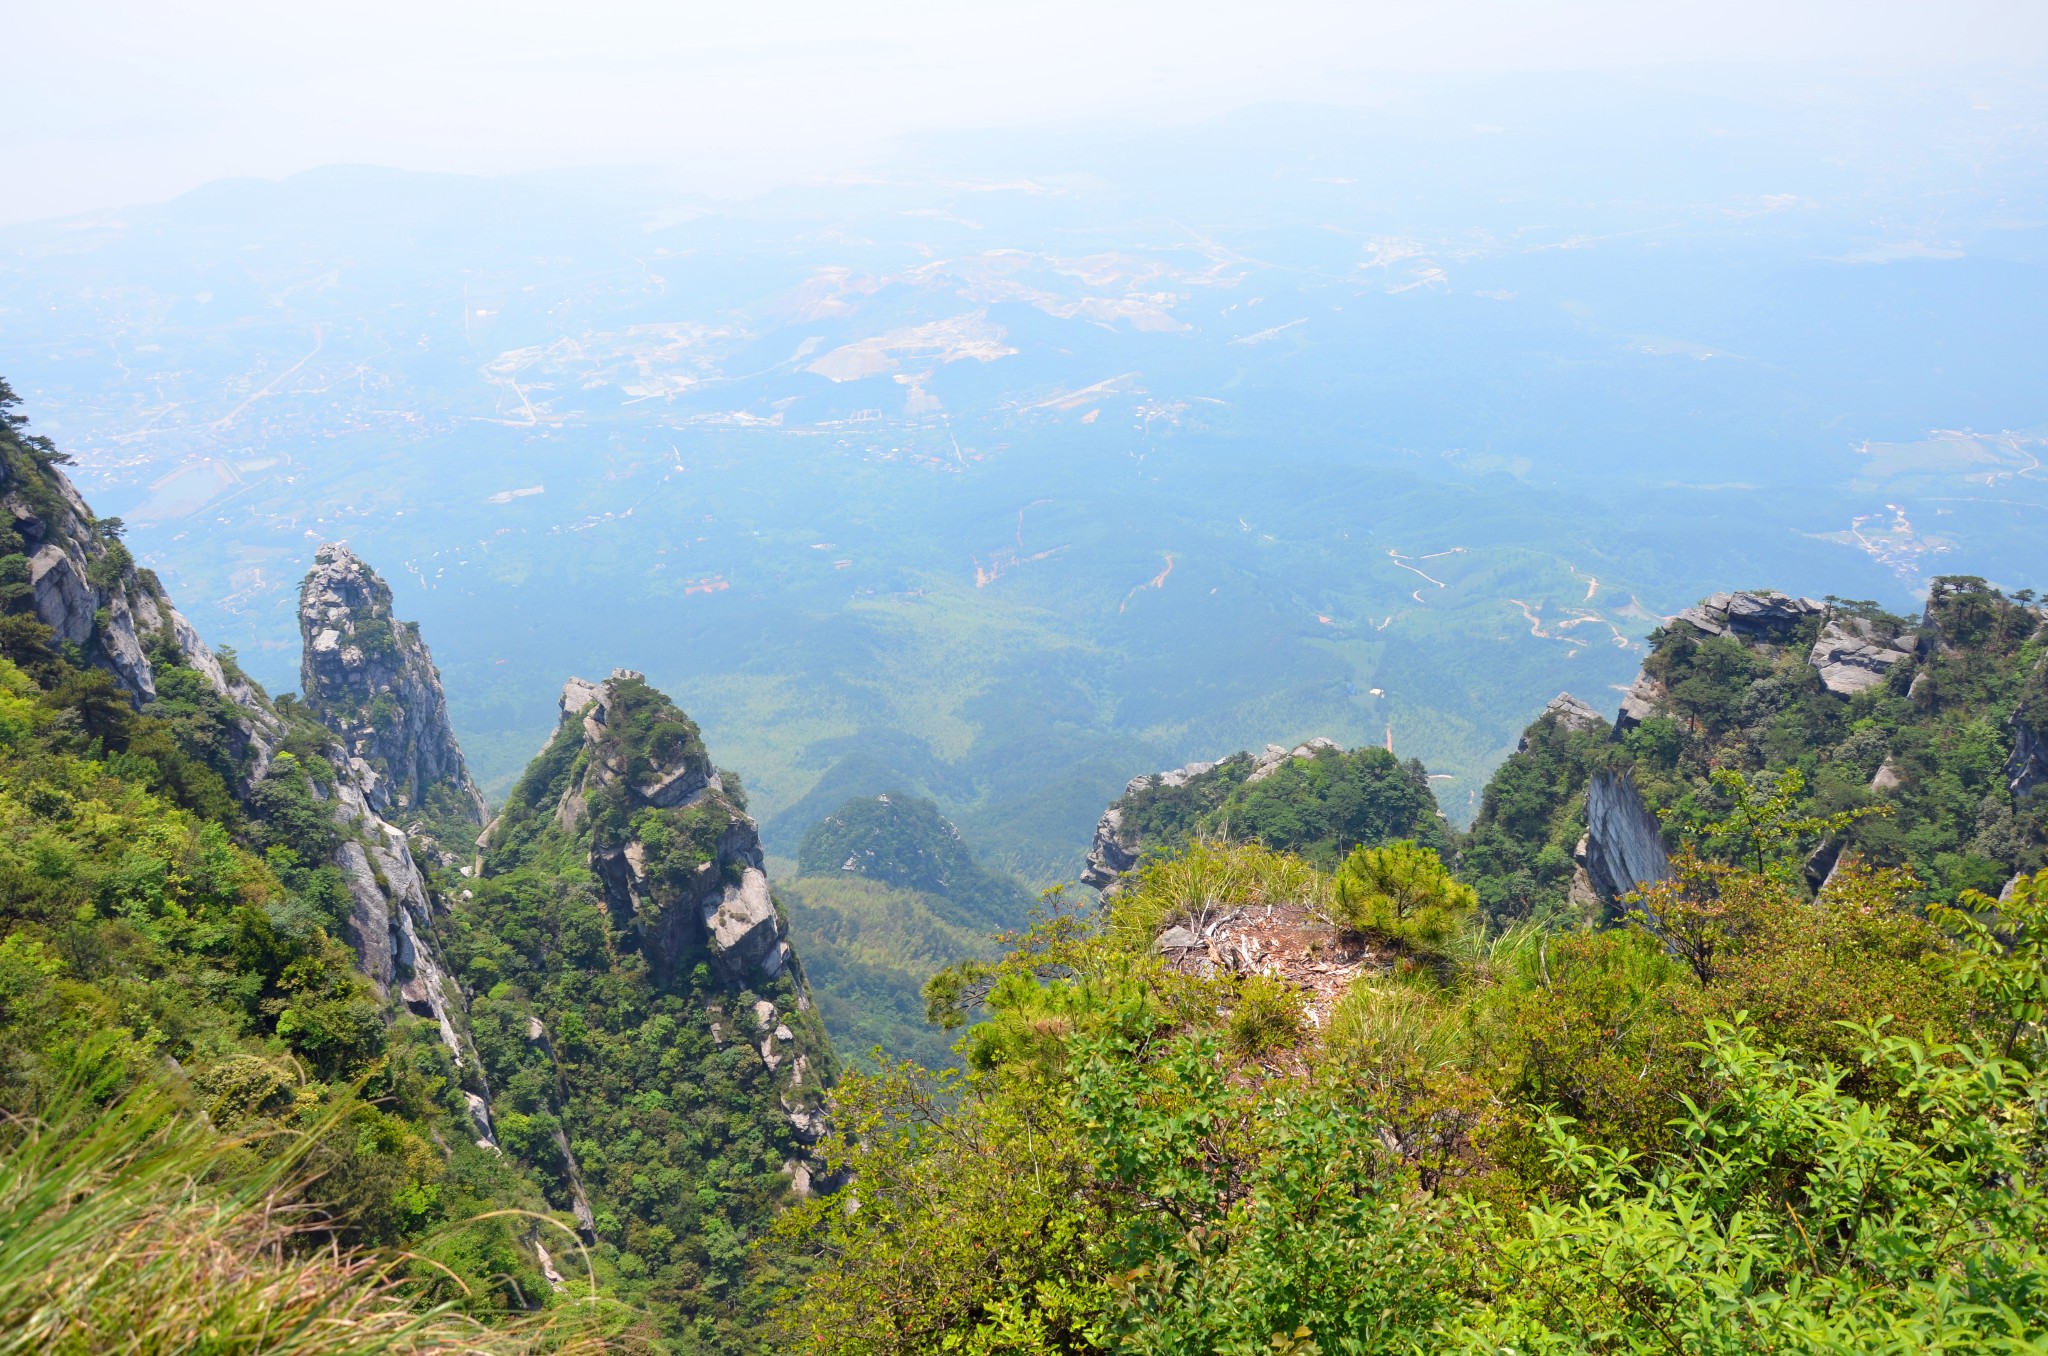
998 475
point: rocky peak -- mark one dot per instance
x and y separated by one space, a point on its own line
692 876
370 679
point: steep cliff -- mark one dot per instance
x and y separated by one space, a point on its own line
1930 721
658 1058
370 679
240 917
317 801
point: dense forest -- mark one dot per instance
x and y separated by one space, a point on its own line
301 1070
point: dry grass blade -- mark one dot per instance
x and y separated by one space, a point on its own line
134 1229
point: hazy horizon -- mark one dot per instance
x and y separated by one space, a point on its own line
110 105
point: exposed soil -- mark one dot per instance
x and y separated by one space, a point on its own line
1281 940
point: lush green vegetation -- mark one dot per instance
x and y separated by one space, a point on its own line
887 895
1319 807
1823 1138
869 948
623 1060
158 941
1940 724
903 840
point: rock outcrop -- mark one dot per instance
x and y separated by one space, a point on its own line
1569 713
703 884
1750 616
1269 762
1645 696
1624 848
1852 657
371 680
2026 768
88 591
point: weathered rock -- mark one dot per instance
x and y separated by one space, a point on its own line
1750 616
722 904
1624 847
2027 766
1852 657
1271 760
1109 857
1886 777
1644 698
1568 713
371 680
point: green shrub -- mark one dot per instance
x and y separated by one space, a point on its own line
1402 892
1267 1017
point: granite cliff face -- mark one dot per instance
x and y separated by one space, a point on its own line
370 679
700 885
88 591
625 834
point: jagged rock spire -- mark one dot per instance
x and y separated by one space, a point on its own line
370 679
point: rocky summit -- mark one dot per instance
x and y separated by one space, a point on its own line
370 679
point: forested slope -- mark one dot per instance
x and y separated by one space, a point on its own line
886 894
560 1087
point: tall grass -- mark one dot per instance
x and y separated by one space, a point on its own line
137 1229
1211 878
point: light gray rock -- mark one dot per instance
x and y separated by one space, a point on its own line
1109 857
742 925
1887 777
1569 713
2027 766
1176 939
370 679
1762 616
1644 699
1624 847
1852 657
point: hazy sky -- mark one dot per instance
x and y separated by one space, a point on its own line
112 102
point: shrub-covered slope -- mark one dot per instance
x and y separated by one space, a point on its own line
1246 1107
196 906
1316 800
1928 732
656 1057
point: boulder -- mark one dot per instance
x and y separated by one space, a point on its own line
1852 657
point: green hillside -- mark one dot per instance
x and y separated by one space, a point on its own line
902 840
168 943
653 1047
1934 755
1320 802
887 894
